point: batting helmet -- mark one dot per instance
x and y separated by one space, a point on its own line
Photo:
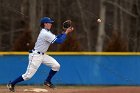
46 20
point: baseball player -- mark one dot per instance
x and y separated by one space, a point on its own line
38 56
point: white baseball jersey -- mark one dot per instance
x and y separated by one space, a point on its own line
44 40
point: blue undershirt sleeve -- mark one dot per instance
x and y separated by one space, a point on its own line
60 38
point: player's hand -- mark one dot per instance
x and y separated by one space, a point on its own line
69 30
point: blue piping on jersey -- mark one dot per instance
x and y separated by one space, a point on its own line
60 38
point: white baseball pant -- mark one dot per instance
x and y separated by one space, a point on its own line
35 61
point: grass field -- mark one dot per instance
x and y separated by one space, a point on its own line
73 89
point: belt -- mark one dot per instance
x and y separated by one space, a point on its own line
35 51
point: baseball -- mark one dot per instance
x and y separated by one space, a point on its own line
99 20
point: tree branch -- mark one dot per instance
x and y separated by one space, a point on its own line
121 8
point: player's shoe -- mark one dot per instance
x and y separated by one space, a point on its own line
11 87
49 84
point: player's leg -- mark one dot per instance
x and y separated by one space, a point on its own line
55 66
34 62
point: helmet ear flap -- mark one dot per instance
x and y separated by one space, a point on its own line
42 25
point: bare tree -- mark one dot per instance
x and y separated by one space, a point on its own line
33 17
87 31
122 16
101 34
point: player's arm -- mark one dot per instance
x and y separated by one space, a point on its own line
61 37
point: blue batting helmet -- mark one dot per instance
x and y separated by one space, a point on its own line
46 20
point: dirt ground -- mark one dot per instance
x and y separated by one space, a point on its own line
74 89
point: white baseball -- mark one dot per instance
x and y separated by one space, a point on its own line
99 20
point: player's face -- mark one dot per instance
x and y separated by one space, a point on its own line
48 25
